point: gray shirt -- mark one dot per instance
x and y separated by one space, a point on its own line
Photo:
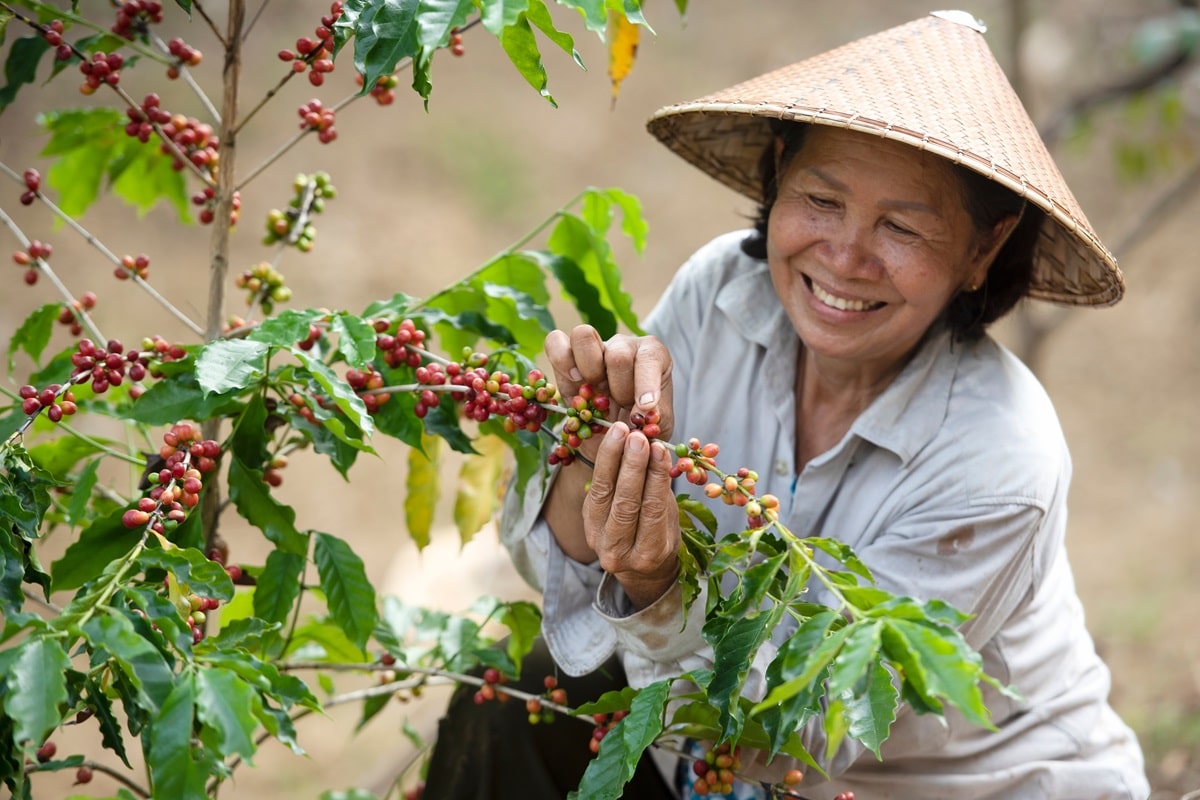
952 484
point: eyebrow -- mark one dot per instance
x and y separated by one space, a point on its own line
907 205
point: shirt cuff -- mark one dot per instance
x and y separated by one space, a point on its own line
660 632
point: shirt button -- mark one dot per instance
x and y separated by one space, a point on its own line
781 467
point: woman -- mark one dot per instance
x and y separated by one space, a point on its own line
838 348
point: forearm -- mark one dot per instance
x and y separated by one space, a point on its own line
563 512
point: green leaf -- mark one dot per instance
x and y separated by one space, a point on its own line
186 5
622 747
500 14
871 712
520 44
175 768
192 569
939 665
278 586
816 662
844 554
229 364
78 509
782 719
91 145
254 502
350 595
226 705
12 573
111 735
633 223
59 455
24 491
479 487
385 31
594 13
573 239
524 623
576 288
34 333
734 645
356 339
860 650
100 543
139 660
539 15
21 66
342 394
37 688
421 490
179 398
286 328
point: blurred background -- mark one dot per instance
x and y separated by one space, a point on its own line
425 197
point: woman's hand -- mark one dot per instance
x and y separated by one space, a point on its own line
634 371
630 522
630 519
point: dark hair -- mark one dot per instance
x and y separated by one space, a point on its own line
985 201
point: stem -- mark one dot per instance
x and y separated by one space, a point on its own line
219 248
254 19
46 604
91 239
524 240
115 774
110 586
265 99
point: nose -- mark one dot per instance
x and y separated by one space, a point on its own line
847 248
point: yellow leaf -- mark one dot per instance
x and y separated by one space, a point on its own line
479 486
622 51
422 489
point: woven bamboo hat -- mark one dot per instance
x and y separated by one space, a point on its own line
932 83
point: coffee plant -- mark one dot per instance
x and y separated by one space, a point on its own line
155 632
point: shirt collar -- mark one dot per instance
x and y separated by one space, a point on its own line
904 417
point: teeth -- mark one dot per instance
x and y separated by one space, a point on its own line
841 303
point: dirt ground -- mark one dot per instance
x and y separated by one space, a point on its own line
426 197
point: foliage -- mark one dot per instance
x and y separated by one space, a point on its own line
176 645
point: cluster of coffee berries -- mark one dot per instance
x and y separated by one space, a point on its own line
646 423
273 474
315 53
33 182
315 117
195 612
456 42
103 68
187 457
311 338
106 366
309 194
584 412
554 693
207 199
71 314
604 724
264 286
58 401
715 773
29 257
694 461
492 680
46 752
384 90
135 16
52 32
133 265
364 382
401 347
185 56
159 348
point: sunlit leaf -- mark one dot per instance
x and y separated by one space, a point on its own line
421 489
479 487
622 50
230 364
225 704
520 44
181 397
871 709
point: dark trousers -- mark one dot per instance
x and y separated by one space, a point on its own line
492 752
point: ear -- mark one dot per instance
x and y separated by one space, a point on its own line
987 248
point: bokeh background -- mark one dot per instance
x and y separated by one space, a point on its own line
426 196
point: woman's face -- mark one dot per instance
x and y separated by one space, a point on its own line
867 243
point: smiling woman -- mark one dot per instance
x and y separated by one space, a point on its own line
839 347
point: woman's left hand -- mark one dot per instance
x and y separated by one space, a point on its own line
630 517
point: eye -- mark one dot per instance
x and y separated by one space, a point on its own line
900 229
822 202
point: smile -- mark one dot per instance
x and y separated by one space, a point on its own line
840 303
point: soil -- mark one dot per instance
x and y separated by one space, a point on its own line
425 197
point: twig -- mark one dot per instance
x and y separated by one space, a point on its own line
46 270
115 774
46 604
199 9
96 243
186 74
265 99
254 19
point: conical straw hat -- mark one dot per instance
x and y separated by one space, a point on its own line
931 83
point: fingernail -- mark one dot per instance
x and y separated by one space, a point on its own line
646 400
575 374
637 444
659 452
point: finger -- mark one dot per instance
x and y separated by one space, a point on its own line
607 466
651 373
658 524
562 361
617 546
620 353
588 350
